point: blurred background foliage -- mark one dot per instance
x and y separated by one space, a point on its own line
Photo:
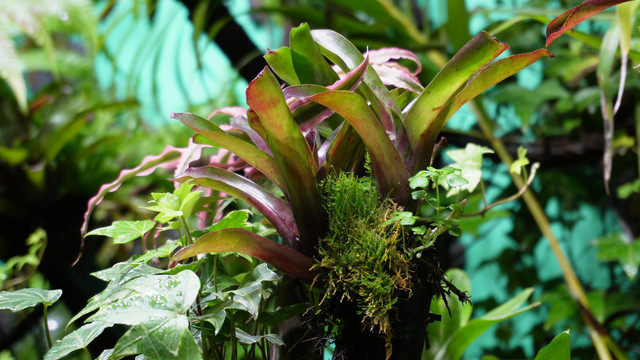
88 85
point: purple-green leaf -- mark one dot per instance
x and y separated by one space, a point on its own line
276 210
289 261
255 157
169 158
572 17
477 53
388 168
292 154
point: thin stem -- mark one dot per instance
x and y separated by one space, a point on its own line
186 230
513 197
597 332
234 342
46 326
86 352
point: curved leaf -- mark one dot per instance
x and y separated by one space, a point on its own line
248 152
292 154
419 121
308 62
242 241
558 349
26 298
78 339
276 210
572 17
388 168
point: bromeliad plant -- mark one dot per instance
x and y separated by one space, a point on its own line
340 111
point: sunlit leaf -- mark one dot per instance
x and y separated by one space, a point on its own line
27 298
123 232
616 247
469 161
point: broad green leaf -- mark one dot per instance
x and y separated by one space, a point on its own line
123 232
242 241
167 205
572 17
152 297
27 298
558 349
461 339
420 122
76 340
165 338
234 219
308 62
388 169
292 154
616 247
255 157
277 211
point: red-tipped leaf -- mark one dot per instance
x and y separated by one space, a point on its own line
571 18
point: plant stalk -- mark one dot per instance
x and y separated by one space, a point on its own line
598 334
46 326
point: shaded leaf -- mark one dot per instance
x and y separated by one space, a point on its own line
78 339
26 298
123 232
248 339
242 241
558 349
309 64
616 247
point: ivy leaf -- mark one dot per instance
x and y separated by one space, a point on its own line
167 205
405 218
123 232
26 298
616 247
163 251
419 180
76 340
469 161
521 162
456 180
150 298
234 219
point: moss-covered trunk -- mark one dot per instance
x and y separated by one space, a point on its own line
408 322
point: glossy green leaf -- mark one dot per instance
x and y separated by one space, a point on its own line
420 122
281 62
292 154
461 339
163 251
308 62
388 169
616 247
558 349
276 210
27 298
469 161
78 339
242 241
571 18
123 232
255 157
233 219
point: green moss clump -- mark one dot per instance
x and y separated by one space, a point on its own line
361 258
